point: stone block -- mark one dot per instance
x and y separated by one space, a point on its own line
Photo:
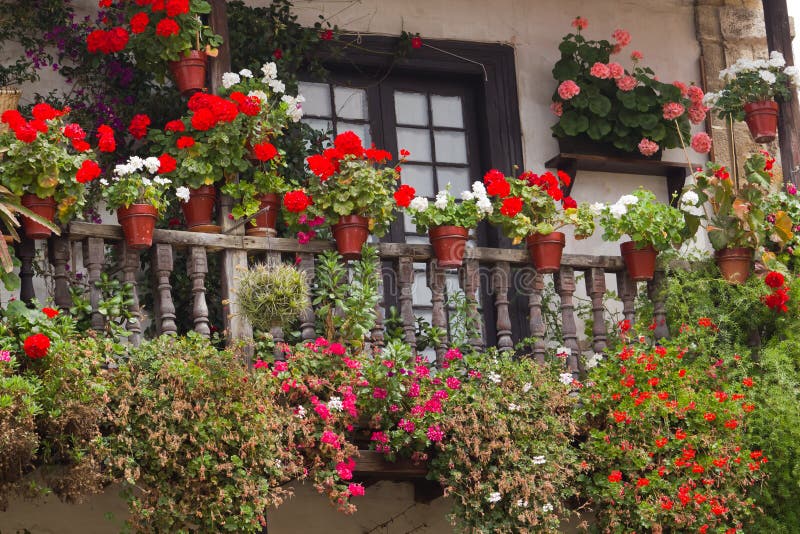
739 23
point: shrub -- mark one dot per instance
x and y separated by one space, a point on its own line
272 295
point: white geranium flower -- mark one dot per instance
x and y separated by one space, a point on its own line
547 507
261 95
335 403
300 412
618 210
539 460
152 164
479 189
597 207
229 79
776 59
565 378
494 377
441 200
277 86
690 198
160 180
710 99
494 497
270 71
484 205
246 73
418 204
513 407
147 182
522 504
123 169
628 200
593 360
526 387
767 76
182 193
136 164
467 195
103 182
791 70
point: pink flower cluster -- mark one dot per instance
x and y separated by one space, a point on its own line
568 89
622 37
579 23
648 147
600 70
627 83
435 433
701 143
672 110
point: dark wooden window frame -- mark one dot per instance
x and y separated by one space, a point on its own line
490 69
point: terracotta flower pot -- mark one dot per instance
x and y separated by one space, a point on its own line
350 233
199 209
138 222
189 72
762 119
43 207
449 243
266 220
734 264
546 250
639 262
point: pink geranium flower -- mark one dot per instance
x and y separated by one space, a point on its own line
701 143
627 83
600 70
672 110
648 147
568 89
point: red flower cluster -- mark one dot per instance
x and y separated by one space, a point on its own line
780 295
265 151
89 171
249 105
36 346
139 22
345 144
167 164
184 141
511 206
404 195
167 28
296 201
105 139
50 312
138 125
27 131
210 110
107 41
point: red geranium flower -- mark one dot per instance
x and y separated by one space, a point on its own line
167 164
296 201
89 171
12 117
349 143
404 194
569 203
175 126
167 28
50 312
36 346
265 151
177 7
321 166
496 183
74 131
44 112
377 155
184 142
327 35
747 382
138 125
139 22
250 106
416 42
25 133
774 279
106 141
79 145
278 53
511 206
615 477
203 119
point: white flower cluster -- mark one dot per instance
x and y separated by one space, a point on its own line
565 378
477 194
229 79
335 404
494 377
689 202
539 460
136 164
762 66
593 360
494 497
620 207
442 199
513 407
270 71
295 106
182 193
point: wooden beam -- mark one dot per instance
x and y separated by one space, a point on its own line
776 19
222 63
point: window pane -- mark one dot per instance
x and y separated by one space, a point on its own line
458 178
322 125
416 239
420 178
318 99
451 147
420 290
417 142
410 228
411 108
447 111
350 103
361 130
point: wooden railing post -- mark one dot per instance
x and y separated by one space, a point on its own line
130 266
501 273
198 268
436 283
162 264
565 285
94 256
654 291
536 323
468 280
59 250
596 289
627 294
26 252
405 280
376 334
307 330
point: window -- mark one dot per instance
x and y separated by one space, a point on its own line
438 107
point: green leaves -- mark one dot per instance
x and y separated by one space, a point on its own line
574 123
600 105
566 69
598 129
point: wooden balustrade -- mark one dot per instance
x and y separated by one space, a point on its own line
486 277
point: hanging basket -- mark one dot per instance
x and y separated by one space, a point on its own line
546 251
9 99
189 72
639 262
43 207
449 243
762 119
734 264
350 233
267 219
199 209
138 223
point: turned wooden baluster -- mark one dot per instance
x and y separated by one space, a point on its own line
596 289
306 265
130 266
468 280
376 334
198 269
94 255
274 258
59 250
565 286
165 310
501 274
536 322
26 252
654 291
627 294
436 283
405 280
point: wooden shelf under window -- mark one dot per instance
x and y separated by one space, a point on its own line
675 172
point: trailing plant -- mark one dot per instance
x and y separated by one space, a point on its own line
645 220
627 108
272 295
527 205
473 206
753 80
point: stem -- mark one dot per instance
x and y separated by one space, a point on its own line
683 144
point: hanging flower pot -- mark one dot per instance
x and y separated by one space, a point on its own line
43 207
449 243
189 72
350 233
734 264
546 250
762 119
639 262
199 208
138 222
266 219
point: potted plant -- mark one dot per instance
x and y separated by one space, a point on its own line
752 91
46 163
163 37
527 207
350 190
604 108
447 220
733 214
138 192
267 111
208 144
651 226
783 225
